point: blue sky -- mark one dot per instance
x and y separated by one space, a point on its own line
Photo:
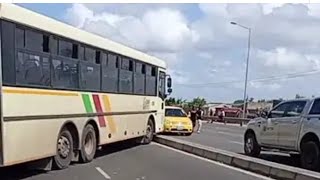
201 47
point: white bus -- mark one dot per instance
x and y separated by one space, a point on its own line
65 91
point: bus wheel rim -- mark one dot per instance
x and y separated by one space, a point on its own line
88 143
149 132
63 147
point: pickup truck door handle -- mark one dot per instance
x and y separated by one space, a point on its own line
294 121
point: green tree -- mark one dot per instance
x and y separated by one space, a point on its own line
239 101
170 101
196 102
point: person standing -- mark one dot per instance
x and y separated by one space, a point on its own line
199 118
222 116
193 116
211 115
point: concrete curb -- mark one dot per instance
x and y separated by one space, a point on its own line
263 167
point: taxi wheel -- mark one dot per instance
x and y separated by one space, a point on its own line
188 134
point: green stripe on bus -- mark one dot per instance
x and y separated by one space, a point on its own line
87 103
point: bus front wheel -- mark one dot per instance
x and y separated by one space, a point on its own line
149 133
64 150
88 144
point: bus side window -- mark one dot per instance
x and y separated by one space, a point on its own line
110 73
139 79
151 81
125 78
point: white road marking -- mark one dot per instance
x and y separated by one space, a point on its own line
236 142
216 163
104 174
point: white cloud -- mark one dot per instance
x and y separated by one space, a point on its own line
264 86
286 60
268 8
285 39
161 30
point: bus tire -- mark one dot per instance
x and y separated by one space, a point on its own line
88 144
64 150
147 139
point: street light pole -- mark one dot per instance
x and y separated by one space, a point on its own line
247 69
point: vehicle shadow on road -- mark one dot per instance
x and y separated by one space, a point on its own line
281 159
18 172
22 171
116 147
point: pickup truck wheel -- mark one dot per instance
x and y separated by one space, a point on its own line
310 156
251 146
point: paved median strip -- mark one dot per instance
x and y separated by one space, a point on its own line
267 168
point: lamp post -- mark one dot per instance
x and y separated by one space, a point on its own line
247 66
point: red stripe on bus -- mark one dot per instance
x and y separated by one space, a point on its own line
98 106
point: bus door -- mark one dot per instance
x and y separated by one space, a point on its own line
162 96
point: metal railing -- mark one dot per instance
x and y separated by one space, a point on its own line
233 120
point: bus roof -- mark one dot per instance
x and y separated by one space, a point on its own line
27 17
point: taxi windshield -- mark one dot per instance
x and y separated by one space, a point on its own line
175 113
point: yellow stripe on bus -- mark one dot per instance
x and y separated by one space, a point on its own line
39 92
107 106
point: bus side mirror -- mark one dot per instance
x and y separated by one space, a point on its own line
169 83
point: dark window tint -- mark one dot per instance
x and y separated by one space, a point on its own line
139 80
153 71
81 52
32 70
98 60
126 76
125 81
113 61
90 76
104 60
65 48
65 74
138 69
75 52
19 38
151 82
90 54
162 87
34 40
125 64
110 74
315 107
45 45
8 52
53 42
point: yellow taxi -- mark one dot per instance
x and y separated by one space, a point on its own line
177 121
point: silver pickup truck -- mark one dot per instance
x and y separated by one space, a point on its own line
292 127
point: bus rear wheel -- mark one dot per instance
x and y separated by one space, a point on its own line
64 150
88 144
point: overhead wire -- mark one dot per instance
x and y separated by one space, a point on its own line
263 79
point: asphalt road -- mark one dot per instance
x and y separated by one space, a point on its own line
230 137
127 162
